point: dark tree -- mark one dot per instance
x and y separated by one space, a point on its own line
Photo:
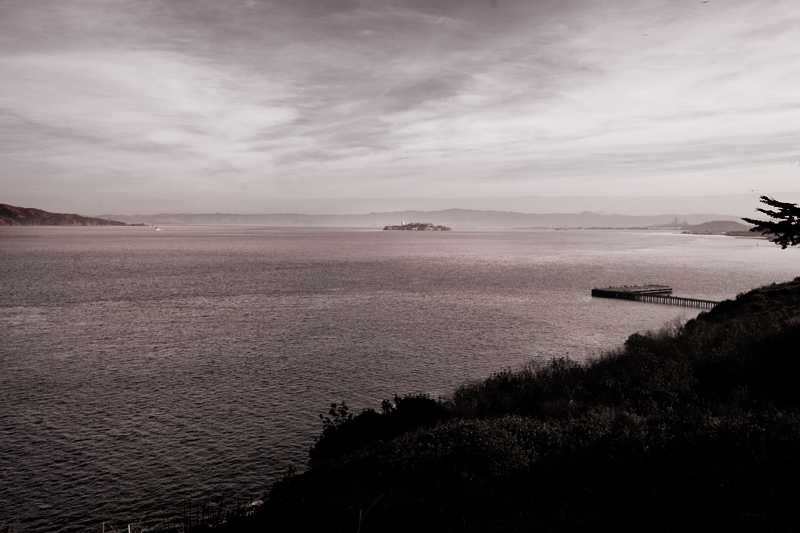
785 228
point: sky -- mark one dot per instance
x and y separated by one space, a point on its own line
251 106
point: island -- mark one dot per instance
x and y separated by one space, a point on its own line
417 226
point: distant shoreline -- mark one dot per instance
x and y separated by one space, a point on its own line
454 218
27 216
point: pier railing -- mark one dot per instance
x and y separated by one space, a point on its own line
641 296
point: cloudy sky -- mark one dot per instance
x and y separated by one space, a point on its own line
147 106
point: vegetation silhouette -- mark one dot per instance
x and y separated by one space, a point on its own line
785 228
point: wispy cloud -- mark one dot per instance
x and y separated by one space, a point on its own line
394 98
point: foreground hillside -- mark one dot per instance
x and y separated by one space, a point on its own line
693 426
28 216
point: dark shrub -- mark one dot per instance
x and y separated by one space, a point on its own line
344 433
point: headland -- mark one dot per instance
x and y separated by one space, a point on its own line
694 426
28 216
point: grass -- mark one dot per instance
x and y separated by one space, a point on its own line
693 426
131 528
195 517
14 527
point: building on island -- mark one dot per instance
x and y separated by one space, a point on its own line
417 226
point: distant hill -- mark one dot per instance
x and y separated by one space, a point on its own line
718 226
28 216
455 218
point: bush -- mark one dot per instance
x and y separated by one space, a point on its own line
344 433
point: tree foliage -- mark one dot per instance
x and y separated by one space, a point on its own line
785 228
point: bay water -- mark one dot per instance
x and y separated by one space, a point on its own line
140 370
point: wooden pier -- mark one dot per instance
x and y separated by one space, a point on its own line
657 294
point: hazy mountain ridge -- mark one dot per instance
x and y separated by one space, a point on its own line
718 226
28 216
456 218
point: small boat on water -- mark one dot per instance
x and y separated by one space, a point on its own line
157 228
